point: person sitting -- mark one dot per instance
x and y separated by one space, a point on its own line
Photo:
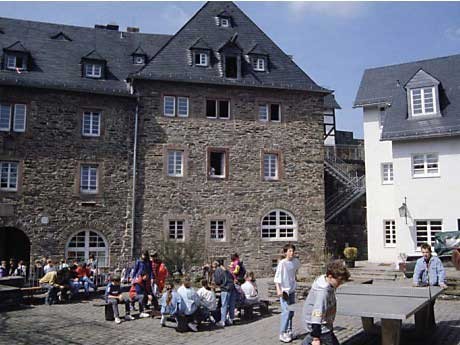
84 274
74 282
141 292
170 303
250 289
3 269
21 269
49 266
208 301
190 302
114 296
12 268
50 281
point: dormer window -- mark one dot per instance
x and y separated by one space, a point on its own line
258 64
15 62
139 59
93 70
224 22
423 101
201 59
224 19
16 57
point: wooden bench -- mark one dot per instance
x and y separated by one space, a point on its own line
33 290
247 309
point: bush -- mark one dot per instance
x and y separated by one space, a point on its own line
350 253
180 257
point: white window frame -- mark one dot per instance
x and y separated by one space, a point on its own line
11 180
176 221
13 124
268 173
87 189
422 95
225 22
426 167
278 227
93 70
91 132
268 112
429 230
259 64
203 60
215 229
179 99
387 176
11 61
177 157
223 164
169 114
139 60
86 249
217 105
389 233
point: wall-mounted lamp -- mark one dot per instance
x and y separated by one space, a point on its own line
403 209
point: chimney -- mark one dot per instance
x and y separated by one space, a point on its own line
132 29
113 27
99 26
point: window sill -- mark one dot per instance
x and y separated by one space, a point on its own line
425 176
388 183
284 239
218 118
390 246
217 177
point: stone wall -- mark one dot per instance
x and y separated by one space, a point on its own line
244 197
50 152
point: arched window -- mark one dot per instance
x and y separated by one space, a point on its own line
86 243
279 225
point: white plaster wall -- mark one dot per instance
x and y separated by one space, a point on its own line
430 197
380 200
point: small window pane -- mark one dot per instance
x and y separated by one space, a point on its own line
263 112
387 173
5 114
175 163
275 112
211 108
278 224
91 123
217 230
9 176
169 106
217 164
11 62
88 179
182 106
19 118
271 166
176 229
223 109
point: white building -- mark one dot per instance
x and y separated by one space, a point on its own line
412 154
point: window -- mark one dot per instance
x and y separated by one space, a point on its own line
390 233
423 101
93 70
271 166
269 112
169 106
91 124
218 108
425 165
13 117
231 67
218 163
14 62
224 22
9 176
426 230
279 225
217 228
88 179
201 59
258 64
86 243
387 173
176 230
382 113
138 59
175 163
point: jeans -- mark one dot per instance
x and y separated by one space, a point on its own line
114 302
87 283
326 339
142 299
74 287
286 314
51 295
170 309
228 301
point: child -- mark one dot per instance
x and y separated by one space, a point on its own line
320 306
189 303
208 301
250 289
285 282
141 291
235 266
84 275
114 296
170 303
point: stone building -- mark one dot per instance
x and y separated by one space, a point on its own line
223 130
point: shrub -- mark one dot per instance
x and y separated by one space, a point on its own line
350 253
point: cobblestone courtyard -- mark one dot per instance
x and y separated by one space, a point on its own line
83 323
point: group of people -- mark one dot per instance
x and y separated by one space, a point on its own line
14 268
320 307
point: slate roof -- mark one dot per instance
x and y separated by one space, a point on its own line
330 102
171 63
385 85
56 62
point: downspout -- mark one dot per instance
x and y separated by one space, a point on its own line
133 205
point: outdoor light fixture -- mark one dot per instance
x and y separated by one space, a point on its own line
403 209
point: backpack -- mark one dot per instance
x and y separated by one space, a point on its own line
242 271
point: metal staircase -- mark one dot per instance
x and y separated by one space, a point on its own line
353 186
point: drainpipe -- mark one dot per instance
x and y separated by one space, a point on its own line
133 205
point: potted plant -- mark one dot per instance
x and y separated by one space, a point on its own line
350 254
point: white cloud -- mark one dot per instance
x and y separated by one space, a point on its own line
453 33
332 9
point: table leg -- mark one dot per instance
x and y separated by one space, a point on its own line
391 331
368 325
424 319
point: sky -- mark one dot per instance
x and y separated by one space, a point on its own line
333 42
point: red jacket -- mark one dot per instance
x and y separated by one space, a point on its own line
140 287
83 272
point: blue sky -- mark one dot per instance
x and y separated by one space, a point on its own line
333 42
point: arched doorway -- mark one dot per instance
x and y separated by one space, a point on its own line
14 244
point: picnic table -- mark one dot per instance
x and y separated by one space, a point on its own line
392 304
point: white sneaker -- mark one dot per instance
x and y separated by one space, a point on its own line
143 315
117 320
192 326
220 324
129 318
163 320
285 338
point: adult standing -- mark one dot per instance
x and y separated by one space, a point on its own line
224 279
285 282
160 272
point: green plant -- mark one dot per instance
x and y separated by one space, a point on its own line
180 257
350 253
